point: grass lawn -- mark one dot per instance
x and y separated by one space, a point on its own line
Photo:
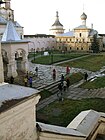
62 113
92 63
97 83
56 58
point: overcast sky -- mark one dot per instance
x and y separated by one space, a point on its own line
37 16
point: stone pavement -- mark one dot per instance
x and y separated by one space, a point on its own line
45 73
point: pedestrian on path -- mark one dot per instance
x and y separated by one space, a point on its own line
11 79
86 76
36 70
59 94
30 81
67 70
62 79
25 81
64 85
68 82
27 75
60 87
54 74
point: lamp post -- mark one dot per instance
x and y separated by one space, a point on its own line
34 54
52 55
34 50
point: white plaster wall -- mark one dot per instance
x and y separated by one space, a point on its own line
18 123
52 136
84 34
41 43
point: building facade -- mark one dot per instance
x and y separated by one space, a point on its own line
79 39
57 27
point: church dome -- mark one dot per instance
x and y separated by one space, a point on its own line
57 22
83 16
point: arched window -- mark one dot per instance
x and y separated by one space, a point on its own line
80 34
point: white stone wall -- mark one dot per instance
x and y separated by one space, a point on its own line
40 44
52 136
18 123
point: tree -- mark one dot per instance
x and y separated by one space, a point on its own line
95 44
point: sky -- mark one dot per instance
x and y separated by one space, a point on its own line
37 16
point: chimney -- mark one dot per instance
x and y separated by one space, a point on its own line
91 25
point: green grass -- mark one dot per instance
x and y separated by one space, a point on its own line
75 77
56 58
62 113
31 54
45 94
92 63
97 83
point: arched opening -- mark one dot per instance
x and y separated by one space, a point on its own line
19 58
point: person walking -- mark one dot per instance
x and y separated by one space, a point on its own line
25 81
59 94
36 69
67 70
86 76
68 82
11 79
60 88
64 85
62 79
30 81
54 74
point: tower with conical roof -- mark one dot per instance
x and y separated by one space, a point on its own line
57 27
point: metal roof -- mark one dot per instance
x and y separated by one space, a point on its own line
58 130
57 22
83 16
10 33
82 27
85 121
69 34
3 20
10 91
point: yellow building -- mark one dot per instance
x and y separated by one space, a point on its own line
79 39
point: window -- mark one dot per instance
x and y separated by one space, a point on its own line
80 34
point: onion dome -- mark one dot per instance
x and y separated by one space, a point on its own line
83 16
